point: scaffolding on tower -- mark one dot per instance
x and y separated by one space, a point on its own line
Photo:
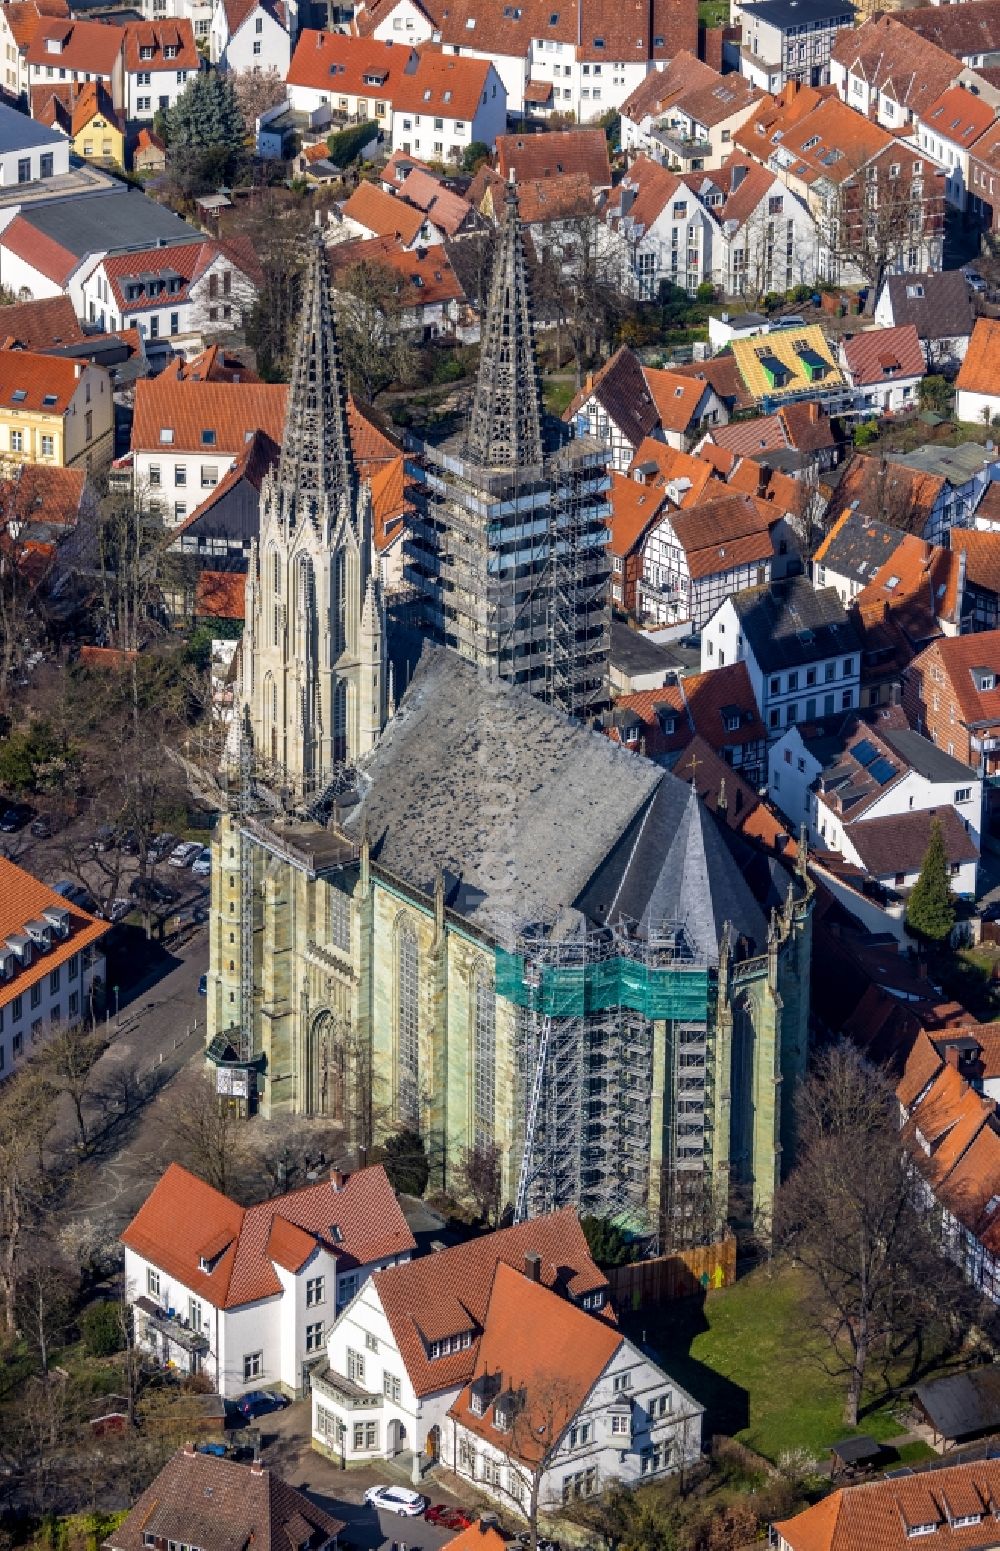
586 1007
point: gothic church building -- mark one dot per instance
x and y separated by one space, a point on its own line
506 932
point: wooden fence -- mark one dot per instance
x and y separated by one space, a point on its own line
679 1274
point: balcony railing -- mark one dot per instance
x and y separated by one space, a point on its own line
338 1387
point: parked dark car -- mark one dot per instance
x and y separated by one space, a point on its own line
41 827
129 843
260 1401
150 891
14 818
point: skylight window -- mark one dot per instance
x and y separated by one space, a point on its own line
166 434
19 395
208 438
891 582
49 401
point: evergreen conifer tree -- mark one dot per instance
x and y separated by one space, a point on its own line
204 132
930 910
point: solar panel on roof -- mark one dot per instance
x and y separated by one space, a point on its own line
864 752
882 771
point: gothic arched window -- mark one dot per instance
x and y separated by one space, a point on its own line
340 692
339 611
408 1023
484 1058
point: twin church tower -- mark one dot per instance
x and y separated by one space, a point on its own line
506 557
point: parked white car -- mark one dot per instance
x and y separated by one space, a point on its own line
184 854
202 864
396 1499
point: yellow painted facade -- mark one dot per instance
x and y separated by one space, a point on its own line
100 140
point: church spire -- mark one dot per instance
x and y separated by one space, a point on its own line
505 430
316 462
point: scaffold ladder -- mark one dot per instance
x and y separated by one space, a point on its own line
245 802
526 1175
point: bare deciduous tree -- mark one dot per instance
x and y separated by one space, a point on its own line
375 340
210 1136
854 1215
67 1060
27 1112
479 1179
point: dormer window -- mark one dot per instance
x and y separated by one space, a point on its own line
594 1300
984 679
448 1344
170 51
913 1530
145 52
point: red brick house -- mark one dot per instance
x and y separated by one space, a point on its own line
951 692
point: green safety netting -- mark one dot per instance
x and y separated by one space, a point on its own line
572 992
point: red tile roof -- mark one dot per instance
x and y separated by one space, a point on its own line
443 85
554 199
676 399
390 503
906 67
555 153
188 260
653 186
39 377
43 253
701 705
382 214
210 365
424 275
880 1515
982 555
448 210
227 1505
634 506
233 411
958 656
884 355
347 67
175 33
979 371
959 116
725 532
24 16
541 1345
183 1218
454 1286
88 46
52 321
23 899
220 594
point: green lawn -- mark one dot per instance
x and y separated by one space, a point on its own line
558 393
713 13
745 1354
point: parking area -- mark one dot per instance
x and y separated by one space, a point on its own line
286 1448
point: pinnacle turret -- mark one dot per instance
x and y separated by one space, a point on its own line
505 430
316 462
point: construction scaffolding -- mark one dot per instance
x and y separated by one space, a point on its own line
507 554
511 569
586 1009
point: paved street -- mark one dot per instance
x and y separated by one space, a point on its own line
160 1030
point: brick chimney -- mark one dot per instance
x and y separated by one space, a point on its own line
533 1266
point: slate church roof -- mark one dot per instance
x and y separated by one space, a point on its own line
532 817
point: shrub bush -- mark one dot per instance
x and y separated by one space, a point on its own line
102 1329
